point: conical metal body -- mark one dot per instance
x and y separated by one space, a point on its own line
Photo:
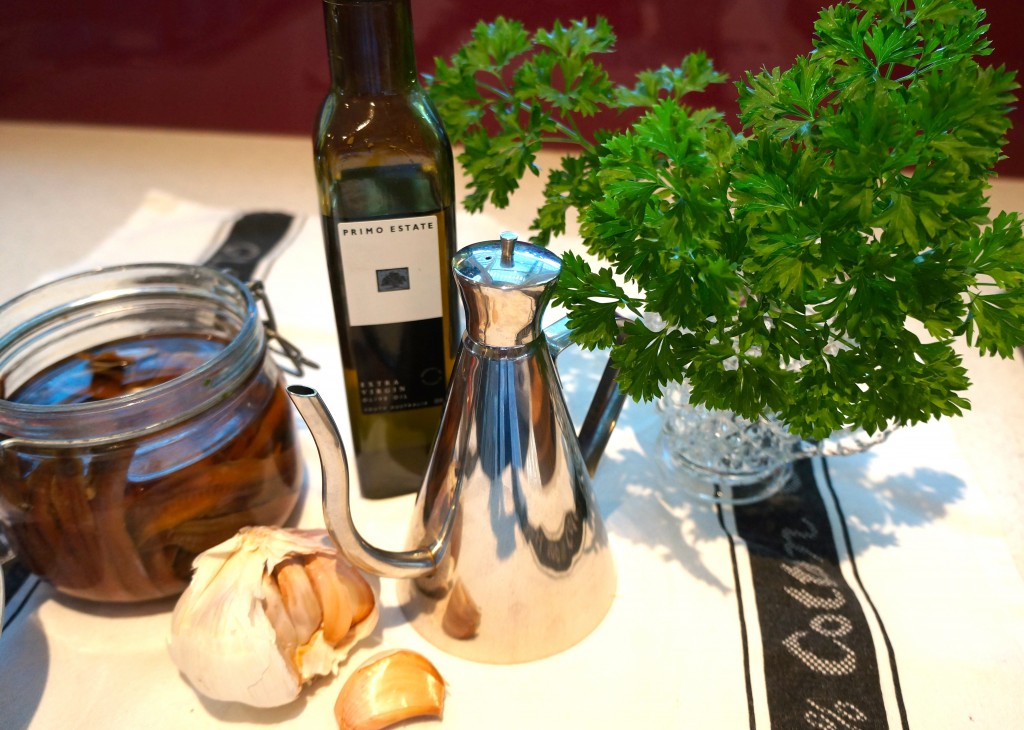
507 557
527 572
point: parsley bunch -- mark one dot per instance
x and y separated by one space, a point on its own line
788 262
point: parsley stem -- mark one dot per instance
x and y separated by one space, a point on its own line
571 134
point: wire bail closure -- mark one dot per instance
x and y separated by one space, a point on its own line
285 348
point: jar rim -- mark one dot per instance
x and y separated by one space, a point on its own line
248 344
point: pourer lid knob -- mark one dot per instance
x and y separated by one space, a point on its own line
508 246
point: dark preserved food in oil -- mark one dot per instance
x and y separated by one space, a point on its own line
123 521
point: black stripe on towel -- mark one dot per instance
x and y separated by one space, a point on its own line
816 630
744 639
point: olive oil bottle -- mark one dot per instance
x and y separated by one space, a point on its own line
386 184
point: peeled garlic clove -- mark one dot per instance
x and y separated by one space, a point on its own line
299 598
363 599
389 688
335 598
247 630
286 636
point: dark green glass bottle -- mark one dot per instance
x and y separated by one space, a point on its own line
387 193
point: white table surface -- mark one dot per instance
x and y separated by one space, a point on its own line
64 189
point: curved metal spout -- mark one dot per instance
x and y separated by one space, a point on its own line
337 506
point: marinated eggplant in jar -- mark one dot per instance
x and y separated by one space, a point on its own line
123 520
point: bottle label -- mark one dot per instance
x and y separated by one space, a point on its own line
391 269
394 307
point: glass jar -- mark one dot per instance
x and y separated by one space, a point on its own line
142 421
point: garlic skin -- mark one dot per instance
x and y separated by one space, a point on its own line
267 611
389 688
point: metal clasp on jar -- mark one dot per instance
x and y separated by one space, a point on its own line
284 347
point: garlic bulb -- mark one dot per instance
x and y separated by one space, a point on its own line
389 688
267 611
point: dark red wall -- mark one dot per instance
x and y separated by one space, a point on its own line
260 65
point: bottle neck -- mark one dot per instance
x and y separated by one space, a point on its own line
370 46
